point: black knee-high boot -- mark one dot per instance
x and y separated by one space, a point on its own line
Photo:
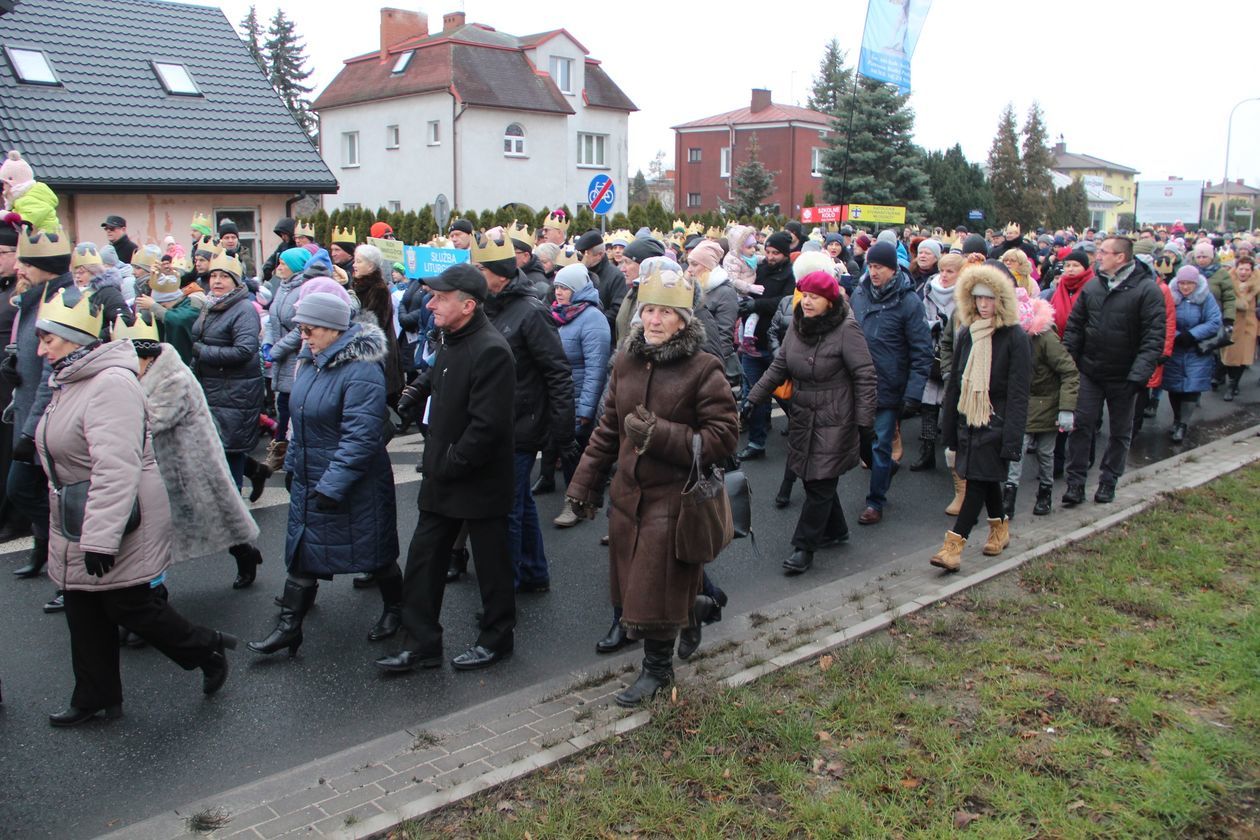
248 559
294 604
927 439
657 673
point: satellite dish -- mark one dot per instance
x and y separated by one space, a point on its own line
441 212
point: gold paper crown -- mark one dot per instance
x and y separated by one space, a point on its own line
1012 229
677 292
440 241
180 265
141 330
44 245
491 251
85 253
679 226
713 233
565 258
81 315
694 229
657 235
207 244
678 238
767 230
227 264
201 220
558 221
341 234
145 258
306 229
519 231
619 237
165 284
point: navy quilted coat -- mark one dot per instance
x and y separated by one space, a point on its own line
337 448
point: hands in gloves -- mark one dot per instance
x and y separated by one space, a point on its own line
639 425
1066 421
98 564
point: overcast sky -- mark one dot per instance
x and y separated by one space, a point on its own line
1146 84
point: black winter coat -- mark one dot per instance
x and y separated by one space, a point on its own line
543 401
612 290
1118 335
468 470
226 362
982 454
779 281
534 271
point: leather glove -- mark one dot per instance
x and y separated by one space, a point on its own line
1066 421
639 425
746 307
9 372
266 353
408 402
569 450
197 348
24 449
288 482
1185 339
97 564
910 408
585 510
326 504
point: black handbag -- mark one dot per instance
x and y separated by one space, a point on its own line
72 498
704 524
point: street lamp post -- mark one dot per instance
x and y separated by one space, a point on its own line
1229 131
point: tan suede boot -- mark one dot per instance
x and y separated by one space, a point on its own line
275 455
999 537
960 490
949 557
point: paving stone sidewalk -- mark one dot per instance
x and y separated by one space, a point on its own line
364 791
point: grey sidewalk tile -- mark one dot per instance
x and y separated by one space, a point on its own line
301 799
458 759
359 778
457 741
405 779
252 817
462 774
352 799
410 759
509 740
405 795
347 820
516 720
298 819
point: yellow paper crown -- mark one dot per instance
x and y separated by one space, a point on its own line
306 229
492 251
558 221
694 229
678 238
619 237
440 241
180 265
145 258
79 314
201 220
43 245
679 226
713 233
207 245
767 230
564 258
668 288
519 231
165 284
85 253
341 234
227 264
1012 229
141 330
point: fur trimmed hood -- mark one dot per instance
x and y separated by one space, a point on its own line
683 345
1035 315
1006 314
363 342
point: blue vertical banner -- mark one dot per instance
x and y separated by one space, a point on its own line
888 42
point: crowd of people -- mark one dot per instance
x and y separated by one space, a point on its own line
145 387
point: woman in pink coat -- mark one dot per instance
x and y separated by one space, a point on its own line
109 552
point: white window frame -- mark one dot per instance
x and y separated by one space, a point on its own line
816 162
349 150
693 154
393 137
435 132
693 199
514 145
400 66
20 59
561 71
393 206
593 155
724 162
352 205
168 73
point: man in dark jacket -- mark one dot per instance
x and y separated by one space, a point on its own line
774 274
543 398
1012 238
892 319
1115 334
468 477
115 228
44 263
528 264
12 524
611 282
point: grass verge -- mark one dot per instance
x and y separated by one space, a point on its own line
1112 690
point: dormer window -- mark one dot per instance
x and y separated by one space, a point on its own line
31 66
403 60
175 79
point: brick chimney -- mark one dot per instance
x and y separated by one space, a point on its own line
398 25
452 20
760 100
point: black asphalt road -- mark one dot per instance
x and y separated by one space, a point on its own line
174 746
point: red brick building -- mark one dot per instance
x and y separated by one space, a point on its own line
708 151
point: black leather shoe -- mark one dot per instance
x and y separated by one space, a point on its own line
800 561
1074 495
543 486
614 641
57 604
408 660
35 562
751 453
258 481
458 565
534 587
478 656
73 716
1106 494
364 580
387 626
215 669
248 559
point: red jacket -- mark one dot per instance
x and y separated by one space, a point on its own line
1170 333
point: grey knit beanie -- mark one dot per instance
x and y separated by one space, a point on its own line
322 309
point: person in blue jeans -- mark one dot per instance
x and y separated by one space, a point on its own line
892 319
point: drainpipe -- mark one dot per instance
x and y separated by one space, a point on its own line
288 205
455 115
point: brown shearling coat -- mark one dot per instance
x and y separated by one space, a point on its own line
833 391
1243 350
94 428
687 391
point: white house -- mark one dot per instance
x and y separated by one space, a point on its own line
480 116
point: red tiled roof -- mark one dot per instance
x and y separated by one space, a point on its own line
773 113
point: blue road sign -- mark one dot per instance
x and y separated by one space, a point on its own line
600 195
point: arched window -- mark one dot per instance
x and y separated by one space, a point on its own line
514 140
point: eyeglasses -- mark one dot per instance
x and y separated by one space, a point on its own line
4 251
305 330
1107 251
